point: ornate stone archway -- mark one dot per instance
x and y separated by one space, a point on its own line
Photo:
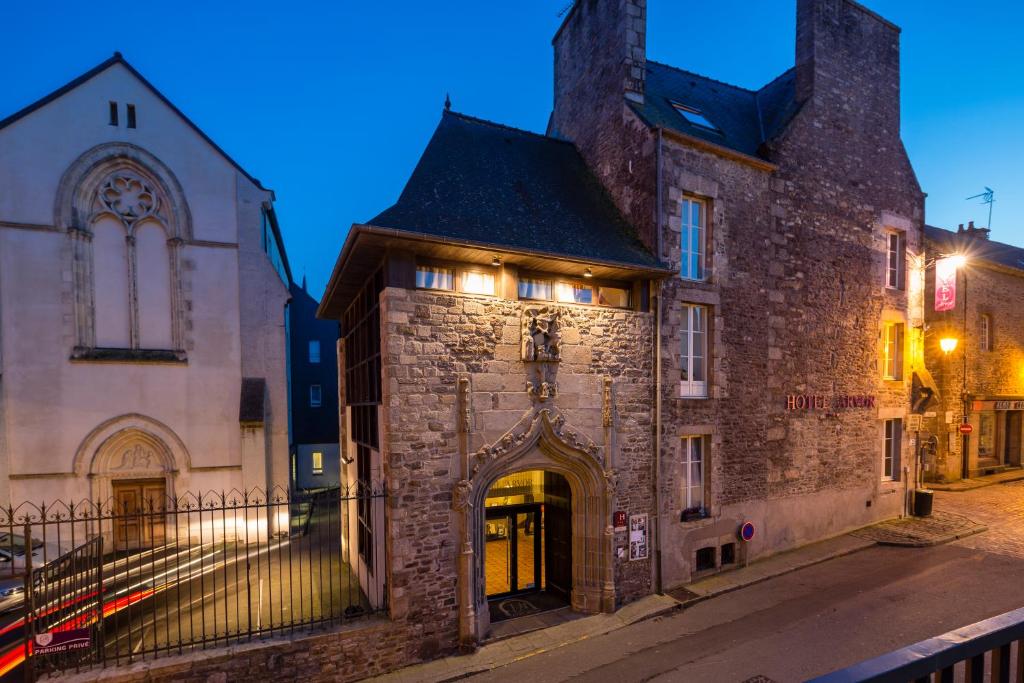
541 440
130 447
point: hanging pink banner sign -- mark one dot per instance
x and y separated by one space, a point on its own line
945 284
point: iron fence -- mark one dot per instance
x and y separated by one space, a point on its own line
92 584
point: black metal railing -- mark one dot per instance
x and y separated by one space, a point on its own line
88 585
991 650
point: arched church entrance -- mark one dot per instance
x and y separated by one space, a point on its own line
527 544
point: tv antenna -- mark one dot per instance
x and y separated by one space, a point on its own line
987 197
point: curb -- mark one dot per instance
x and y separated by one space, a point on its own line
976 484
941 540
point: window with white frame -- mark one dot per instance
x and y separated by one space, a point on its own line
316 397
896 260
693 473
318 462
891 448
985 332
892 351
314 350
693 357
431 277
693 236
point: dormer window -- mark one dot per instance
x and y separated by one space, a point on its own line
695 117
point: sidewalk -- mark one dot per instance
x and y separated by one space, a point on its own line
979 482
502 652
921 532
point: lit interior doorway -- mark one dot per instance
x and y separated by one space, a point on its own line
528 544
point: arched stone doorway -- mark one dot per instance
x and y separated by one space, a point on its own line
541 441
527 557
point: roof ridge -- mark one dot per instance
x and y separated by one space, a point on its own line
707 78
775 80
504 126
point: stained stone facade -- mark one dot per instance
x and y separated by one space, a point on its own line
987 323
554 304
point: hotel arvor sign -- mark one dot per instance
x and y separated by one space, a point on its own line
827 404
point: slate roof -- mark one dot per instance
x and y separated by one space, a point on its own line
486 183
999 253
746 119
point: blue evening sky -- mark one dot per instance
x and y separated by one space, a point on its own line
331 103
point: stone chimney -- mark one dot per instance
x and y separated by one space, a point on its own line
848 58
972 232
600 54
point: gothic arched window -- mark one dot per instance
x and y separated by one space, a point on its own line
127 222
132 273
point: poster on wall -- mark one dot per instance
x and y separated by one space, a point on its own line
945 284
637 537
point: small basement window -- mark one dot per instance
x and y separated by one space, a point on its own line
728 554
705 559
695 117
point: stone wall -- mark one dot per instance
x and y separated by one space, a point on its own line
430 340
995 373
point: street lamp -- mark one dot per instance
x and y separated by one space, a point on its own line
948 344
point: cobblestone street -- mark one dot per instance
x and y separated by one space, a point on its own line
822 617
999 507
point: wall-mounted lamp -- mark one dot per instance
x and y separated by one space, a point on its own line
948 345
496 261
588 273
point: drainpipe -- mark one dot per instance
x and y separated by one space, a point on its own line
658 527
657 436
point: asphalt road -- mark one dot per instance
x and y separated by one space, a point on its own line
814 620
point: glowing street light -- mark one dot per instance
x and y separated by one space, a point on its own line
948 344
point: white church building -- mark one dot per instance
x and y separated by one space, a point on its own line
143 286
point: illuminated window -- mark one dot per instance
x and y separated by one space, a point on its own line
693 235
314 350
475 282
613 296
896 260
318 462
429 277
987 435
693 472
572 293
530 288
891 449
892 351
985 333
694 351
315 396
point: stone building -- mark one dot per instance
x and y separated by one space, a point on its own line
313 382
143 285
983 376
578 362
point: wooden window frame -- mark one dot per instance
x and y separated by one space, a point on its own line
895 356
892 448
459 269
593 283
690 388
685 241
896 277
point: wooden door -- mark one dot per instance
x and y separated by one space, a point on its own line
139 514
1012 437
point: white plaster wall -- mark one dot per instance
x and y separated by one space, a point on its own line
50 404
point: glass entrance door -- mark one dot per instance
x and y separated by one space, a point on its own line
515 549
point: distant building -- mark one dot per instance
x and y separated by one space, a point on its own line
143 285
986 319
314 394
579 362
